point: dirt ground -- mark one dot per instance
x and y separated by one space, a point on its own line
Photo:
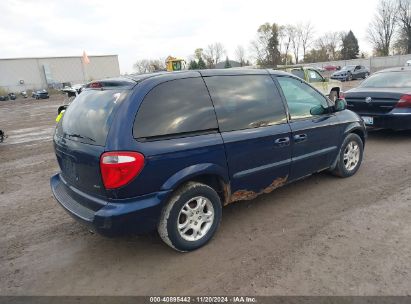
319 236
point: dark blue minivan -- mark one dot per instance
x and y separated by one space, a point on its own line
167 151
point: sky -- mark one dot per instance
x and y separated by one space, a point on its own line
152 29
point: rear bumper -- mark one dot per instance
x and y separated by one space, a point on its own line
394 121
137 215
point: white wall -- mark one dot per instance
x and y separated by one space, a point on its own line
63 69
373 63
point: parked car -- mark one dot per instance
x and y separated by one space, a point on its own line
351 72
2 136
40 94
330 68
24 94
4 97
408 63
384 99
163 151
330 88
12 96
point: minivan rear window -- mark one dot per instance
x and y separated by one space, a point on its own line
175 108
88 118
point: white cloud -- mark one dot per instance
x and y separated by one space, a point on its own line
154 29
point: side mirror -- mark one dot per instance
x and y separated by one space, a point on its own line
61 108
340 105
317 110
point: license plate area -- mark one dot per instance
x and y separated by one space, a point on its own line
368 120
68 167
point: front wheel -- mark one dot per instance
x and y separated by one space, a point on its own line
349 77
350 156
191 217
366 75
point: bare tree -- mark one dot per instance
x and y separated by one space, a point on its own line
149 65
289 32
404 19
307 36
213 53
381 29
296 41
330 42
240 54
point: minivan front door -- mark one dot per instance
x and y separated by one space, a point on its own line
257 138
315 135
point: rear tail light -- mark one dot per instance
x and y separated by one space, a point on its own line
119 168
404 102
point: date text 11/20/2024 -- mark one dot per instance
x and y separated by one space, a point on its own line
204 299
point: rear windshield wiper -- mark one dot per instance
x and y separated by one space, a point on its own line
80 136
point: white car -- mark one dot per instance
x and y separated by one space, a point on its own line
408 63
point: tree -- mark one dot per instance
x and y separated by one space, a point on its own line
330 42
201 64
198 53
296 41
149 65
227 64
240 55
213 54
289 32
381 29
193 65
265 47
307 35
404 20
350 48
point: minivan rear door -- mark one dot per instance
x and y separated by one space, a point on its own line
253 125
81 135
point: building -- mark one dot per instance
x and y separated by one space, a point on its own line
18 74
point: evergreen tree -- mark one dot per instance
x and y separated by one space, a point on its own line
201 64
227 63
350 48
193 65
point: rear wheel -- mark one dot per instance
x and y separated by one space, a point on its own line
350 156
191 217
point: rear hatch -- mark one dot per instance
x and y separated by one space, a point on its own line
82 133
373 100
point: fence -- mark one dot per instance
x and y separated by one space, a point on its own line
373 63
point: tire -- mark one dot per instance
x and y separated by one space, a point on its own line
333 96
366 75
345 166
182 210
349 77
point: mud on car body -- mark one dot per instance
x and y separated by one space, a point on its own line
167 151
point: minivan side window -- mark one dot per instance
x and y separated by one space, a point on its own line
175 107
246 101
301 98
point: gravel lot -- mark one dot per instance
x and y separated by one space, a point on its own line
319 236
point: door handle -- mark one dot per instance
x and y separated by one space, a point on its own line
300 137
284 141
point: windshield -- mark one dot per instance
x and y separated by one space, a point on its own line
388 80
88 118
348 67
